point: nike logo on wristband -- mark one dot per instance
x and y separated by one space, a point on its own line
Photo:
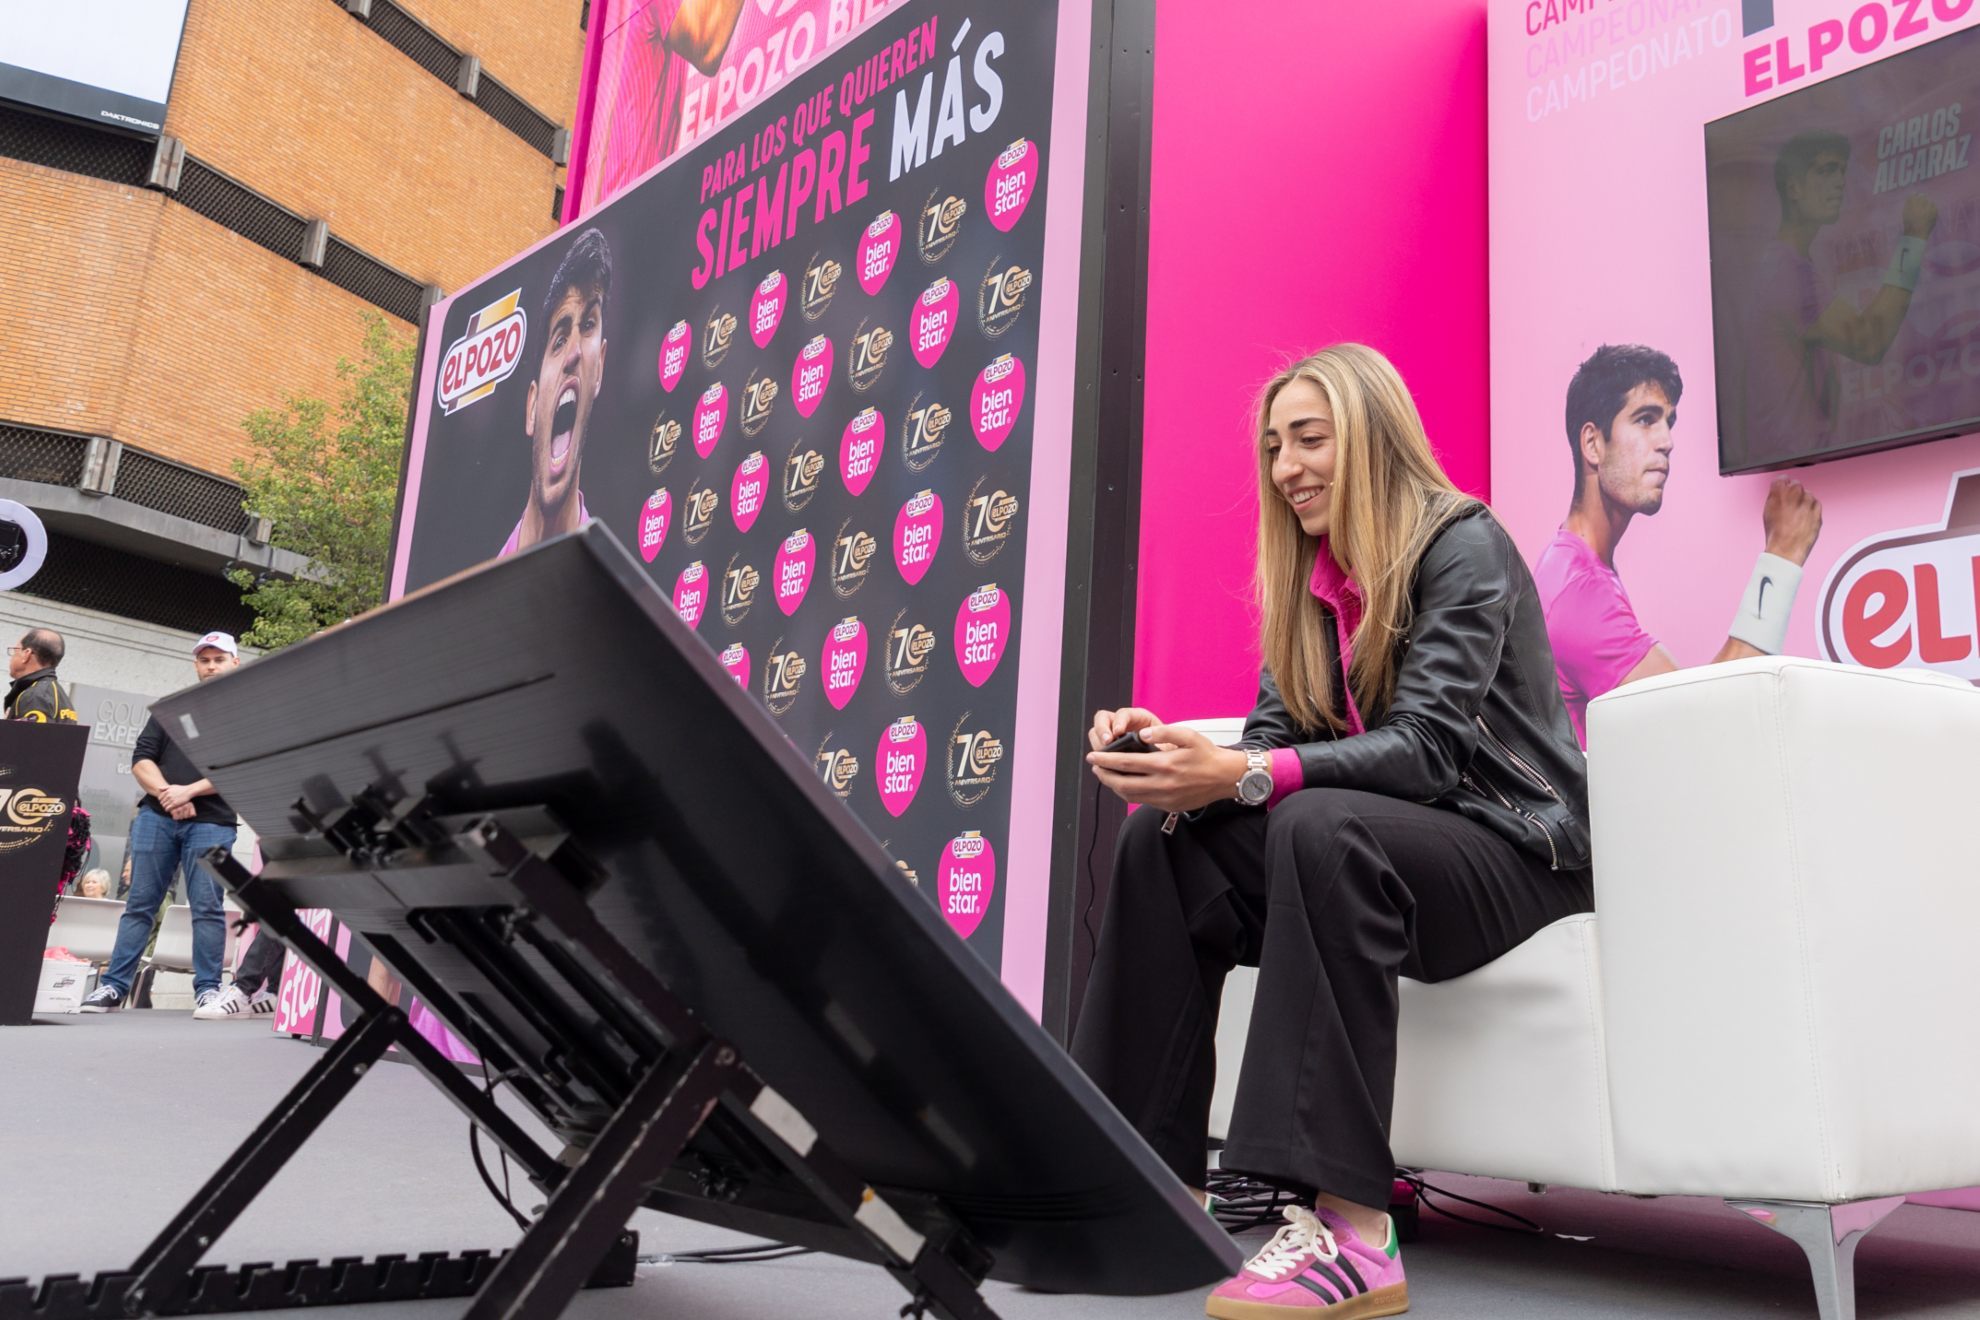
1760 605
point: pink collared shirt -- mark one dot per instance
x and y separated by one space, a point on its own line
513 544
1338 592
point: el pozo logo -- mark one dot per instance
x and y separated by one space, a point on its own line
941 224
698 515
909 645
852 559
974 755
921 433
662 444
838 767
758 396
988 521
739 585
803 470
718 336
821 281
1000 299
783 678
1911 597
486 354
26 815
871 346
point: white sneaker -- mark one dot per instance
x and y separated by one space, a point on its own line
230 1005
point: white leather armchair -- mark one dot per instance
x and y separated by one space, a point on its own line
1772 1002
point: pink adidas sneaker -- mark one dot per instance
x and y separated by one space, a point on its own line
1315 1268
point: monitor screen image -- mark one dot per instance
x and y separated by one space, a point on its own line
105 62
1845 237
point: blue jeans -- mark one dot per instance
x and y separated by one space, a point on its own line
160 847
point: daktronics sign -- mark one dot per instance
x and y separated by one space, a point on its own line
486 355
1912 597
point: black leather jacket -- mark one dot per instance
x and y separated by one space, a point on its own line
1477 725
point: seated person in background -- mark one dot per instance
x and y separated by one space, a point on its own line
1621 412
95 883
1407 801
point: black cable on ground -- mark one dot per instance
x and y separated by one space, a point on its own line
491 1080
499 1193
1519 1224
1241 1203
753 1255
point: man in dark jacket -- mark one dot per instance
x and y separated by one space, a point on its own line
35 693
179 818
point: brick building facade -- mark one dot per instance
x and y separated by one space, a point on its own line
321 160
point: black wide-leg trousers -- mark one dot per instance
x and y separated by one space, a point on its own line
1332 895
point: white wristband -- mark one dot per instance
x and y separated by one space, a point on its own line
1763 610
1906 263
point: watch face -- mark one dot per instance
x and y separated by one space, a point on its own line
1255 787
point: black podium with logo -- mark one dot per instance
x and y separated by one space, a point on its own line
542 801
39 767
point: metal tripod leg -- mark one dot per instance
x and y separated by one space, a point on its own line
1828 1234
590 1207
164 1267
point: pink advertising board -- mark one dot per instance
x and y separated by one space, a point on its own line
1604 217
1284 216
1606 223
836 420
655 85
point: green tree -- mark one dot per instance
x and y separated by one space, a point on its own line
327 485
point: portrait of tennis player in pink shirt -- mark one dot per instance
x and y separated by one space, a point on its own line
557 407
1622 410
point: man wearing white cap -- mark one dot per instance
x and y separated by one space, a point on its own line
179 818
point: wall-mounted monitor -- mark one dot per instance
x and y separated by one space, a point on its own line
105 62
1845 235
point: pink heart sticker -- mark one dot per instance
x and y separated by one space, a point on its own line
917 534
878 246
1013 176
792 570
859 449
654 519
766 307
811 374
751 487
710 413
983 629
994 401
933 324
900 762
674 351
691 594
844 661
966 881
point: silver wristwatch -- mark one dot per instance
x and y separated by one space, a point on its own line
1255 788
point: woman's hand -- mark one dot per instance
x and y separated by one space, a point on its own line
1186 771
1111 724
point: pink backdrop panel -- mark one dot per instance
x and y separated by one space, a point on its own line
1298 197
1599 236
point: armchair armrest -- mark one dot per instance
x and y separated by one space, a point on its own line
1788 890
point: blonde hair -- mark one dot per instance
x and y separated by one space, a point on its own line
99 875
1390 499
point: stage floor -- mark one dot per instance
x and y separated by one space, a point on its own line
112 1121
